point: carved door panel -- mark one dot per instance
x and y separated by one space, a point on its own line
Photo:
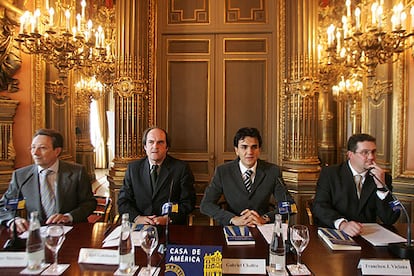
213 77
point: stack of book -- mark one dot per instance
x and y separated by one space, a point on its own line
337 239
238 235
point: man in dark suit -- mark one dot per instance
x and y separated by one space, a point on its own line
344 203
247 184
152 182
71 198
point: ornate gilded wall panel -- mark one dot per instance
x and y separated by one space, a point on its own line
188 11
241 11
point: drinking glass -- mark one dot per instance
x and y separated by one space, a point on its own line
55 236
149 241
299 237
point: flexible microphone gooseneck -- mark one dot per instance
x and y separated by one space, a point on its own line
286 208
15 243
163 247
401 249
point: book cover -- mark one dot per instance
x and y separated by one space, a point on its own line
238 235
337 240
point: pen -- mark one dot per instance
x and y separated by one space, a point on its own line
108 229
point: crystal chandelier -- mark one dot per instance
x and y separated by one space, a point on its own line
366 38
348 89
90 89
61 38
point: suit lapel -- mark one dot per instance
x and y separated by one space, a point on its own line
63 179
260 175
163 176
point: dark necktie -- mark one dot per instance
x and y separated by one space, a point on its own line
248 180
47 193
154 176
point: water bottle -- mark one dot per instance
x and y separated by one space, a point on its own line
277 251
126 247
35 247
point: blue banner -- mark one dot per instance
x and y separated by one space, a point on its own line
192 260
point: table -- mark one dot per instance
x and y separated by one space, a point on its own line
317 256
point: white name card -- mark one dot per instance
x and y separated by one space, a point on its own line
13 259
98 256
385 267
244 266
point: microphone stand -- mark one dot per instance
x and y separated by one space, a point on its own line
401 249
163 247
15 243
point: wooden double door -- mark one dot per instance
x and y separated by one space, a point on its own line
213 79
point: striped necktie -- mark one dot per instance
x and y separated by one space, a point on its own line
248 180
47 193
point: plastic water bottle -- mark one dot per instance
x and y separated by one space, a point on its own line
35 247
126 247
277 251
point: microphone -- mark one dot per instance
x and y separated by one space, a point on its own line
166 209
401 249
15 243
285 208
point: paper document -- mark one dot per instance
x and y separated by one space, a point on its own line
378 235
25 234
267 231
112 240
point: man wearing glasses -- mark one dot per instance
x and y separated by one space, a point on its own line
353 192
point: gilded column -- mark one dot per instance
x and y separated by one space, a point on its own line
7 153
133 85
300 95
299 102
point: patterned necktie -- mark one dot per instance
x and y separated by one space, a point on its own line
154 175
47 193
358 183
248 180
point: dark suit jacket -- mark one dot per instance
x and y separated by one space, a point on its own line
74 192
336 197
136 196
228 181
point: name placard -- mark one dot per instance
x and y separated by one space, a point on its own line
98 256
244 266
13 259
385 267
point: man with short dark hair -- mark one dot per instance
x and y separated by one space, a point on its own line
152 182
60 191
247 184
353 192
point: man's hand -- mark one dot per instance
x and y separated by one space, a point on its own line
352 228
248 217
58 218
152 220
22 225
379 173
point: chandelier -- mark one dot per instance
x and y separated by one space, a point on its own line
366 38
90 89
348 89
61 38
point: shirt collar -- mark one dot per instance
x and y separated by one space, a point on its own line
243 169
354 172
54 167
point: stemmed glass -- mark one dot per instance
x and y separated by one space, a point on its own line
55 236
299 237
149 241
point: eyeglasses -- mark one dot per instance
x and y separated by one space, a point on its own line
366 153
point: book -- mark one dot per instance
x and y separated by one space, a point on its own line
337 239
238 235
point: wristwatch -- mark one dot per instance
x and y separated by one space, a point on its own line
383 189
